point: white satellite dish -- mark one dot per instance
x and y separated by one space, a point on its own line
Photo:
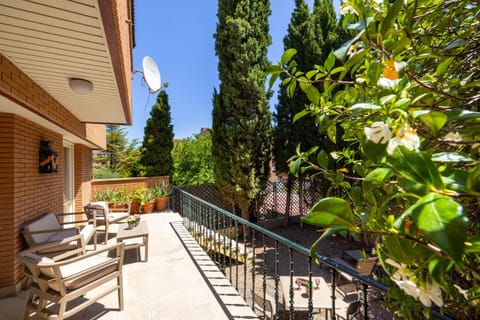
151 75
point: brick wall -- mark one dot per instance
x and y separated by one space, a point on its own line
129 184
17 86
83 175
25 193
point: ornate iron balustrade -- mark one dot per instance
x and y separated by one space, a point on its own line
254 258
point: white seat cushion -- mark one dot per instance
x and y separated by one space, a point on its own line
47 222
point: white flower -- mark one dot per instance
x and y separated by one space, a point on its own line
379 132
409 287
402 273
454 136
387 83
345 8
407 137
426 293
430 292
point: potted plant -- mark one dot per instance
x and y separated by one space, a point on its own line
136 198
148 202
162 193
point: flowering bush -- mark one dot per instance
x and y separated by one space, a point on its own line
404 93
133 219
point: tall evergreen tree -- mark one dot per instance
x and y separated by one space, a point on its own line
241 117
314 35
158 139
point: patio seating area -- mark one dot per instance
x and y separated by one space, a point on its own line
179 281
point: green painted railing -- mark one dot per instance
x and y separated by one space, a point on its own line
236 244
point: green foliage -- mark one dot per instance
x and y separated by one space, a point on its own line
163 189
406 98
105 173
156 151
241 117
192 160
124 155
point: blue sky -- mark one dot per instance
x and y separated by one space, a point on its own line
178 35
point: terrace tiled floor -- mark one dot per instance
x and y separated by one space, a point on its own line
179 281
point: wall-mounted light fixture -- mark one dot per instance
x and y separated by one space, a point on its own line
47 158
80 86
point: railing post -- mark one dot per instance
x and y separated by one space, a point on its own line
333 271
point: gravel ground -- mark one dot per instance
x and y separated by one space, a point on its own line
306 235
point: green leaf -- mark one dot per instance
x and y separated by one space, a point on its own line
341 53
416 166
455 44
272 80
311 91
300 115
439 219
291 88
330 62
473 182
359 107
287 56
434 120
438 267
327 233
443 65
331 212
376 178
404 251
461 114
450 157
375 151
332 131
413 187
456 180
322 159
295 167
391 15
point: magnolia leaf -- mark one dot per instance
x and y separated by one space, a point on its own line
322 159
291 88
272 80
328 232
359 107
434 120
456 180
473 182
461 114
331 212
330 62
374 151
439 219
311 91
300 115
402 103
295 167
376 178
416 166
287 56
455 44
443 65
413 187
332 131
404 251
341 53
438 267
391 15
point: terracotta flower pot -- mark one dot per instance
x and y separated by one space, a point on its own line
148 207
161 203
134 206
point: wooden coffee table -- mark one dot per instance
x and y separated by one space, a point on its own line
140 231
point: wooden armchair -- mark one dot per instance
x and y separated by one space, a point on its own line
57 282
102 217
53 228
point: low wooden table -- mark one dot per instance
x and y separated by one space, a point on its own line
321 295
140 231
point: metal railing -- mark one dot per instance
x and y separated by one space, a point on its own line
254 260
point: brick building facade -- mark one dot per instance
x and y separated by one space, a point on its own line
36 106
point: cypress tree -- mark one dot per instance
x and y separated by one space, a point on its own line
241 134
314 35
158 139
